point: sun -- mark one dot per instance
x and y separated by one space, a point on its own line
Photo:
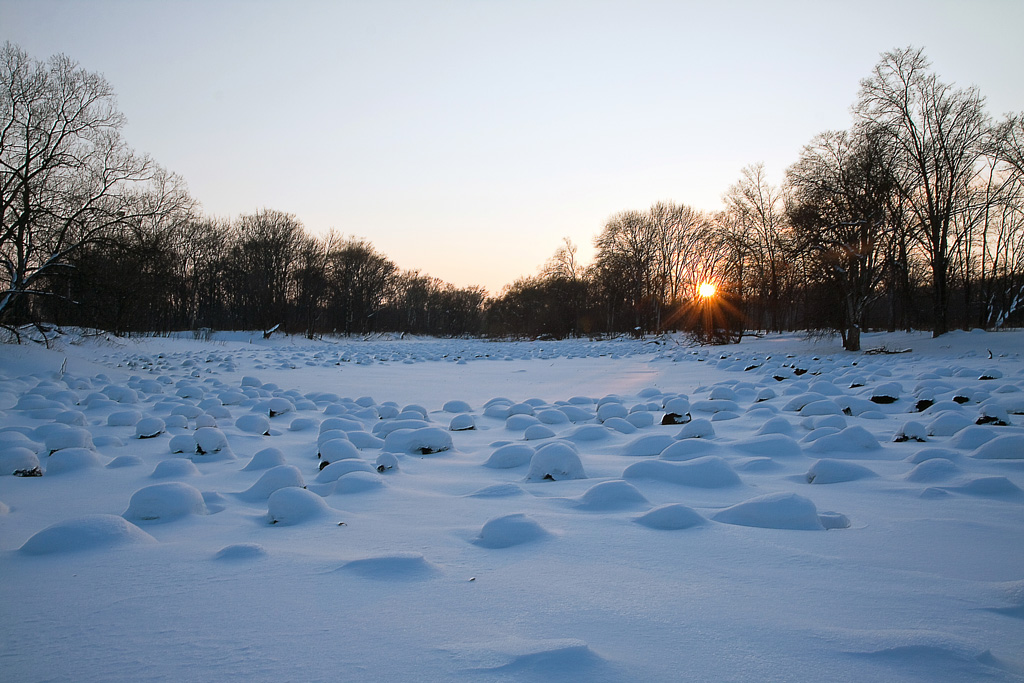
706 289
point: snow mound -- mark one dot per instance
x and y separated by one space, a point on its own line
275 478
773 511
358 482
699 428
538 432
708 472
509 456
587 433
335 450
386 462
384 428
182 443
972 436
932 470
769 445
851 439
463 422
798 402
836 471
886 393
611 495
71 460
640 419
17 459
562 660
301 424
1006 447
715 406
498 491
688 449
71 417
241 551
292 505
9 439
392 567
932 453
775 425
551 416
211 441
66 436
996 487
164 503
149 427
835 422
338 469
457 407
421 441
265 459
940 662
948 423
124 461
365 440
174 468
609 410
92 532
911 431
124 418
508 531
671 517
555 461
648 445
821 407
254 423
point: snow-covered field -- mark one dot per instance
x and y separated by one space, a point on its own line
184 528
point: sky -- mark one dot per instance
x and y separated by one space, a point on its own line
466 138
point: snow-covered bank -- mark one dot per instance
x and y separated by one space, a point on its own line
775 529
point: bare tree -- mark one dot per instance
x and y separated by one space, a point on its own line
839 209
203 248
260 265
67 179
564 264
311 286
625 266
1007 142
937 135
358 278
758 218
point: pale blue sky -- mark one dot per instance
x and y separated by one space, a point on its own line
467 138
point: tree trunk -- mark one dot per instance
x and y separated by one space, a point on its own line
941 308
852 337
851 340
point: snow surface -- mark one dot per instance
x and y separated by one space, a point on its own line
285 509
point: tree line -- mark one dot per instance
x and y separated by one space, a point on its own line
912 217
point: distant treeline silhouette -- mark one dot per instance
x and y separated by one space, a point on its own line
911 218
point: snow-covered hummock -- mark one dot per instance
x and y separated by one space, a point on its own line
420 509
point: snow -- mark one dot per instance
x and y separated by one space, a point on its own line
184 525
508 531
554 462
670 517
165 502
611 495
773 511
707 472
92 532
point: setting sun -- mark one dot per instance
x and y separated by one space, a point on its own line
706 289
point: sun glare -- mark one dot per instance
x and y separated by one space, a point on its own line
706 289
